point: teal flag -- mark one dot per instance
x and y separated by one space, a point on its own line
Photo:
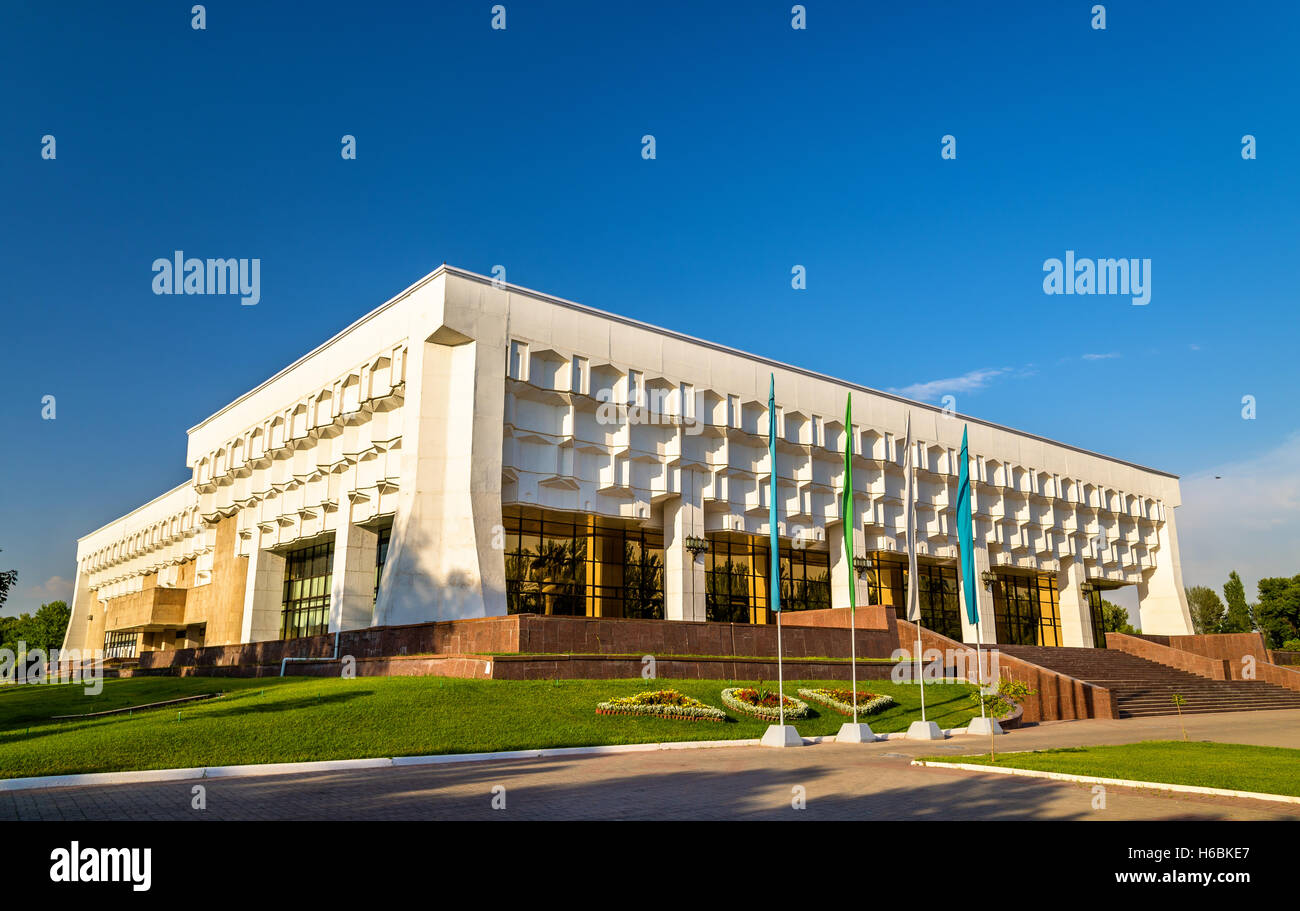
846 502
964 532
774 550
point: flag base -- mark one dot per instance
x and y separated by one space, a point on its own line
984 726
924 730
781 735
855 733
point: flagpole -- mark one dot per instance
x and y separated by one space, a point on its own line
848 519
853 644
923 729
969 589
912 597
920 665
780 676
851 732
781 735
774 542
913 600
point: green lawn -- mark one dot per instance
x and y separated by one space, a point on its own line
1235 766
301 718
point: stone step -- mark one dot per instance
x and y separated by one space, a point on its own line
1142 713
1143 687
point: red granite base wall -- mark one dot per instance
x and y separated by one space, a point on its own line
550 667
540 635
595 668
1230 650
1057 697
1148 648
1230 647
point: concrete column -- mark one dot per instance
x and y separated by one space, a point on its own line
988 632
263 596
684 578
352 588
1162 603
1076 618
445 558
80 624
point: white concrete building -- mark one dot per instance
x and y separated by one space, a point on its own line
469 449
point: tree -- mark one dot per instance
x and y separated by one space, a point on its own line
1114 619
1206 608
1278 611
43 630
1001 702
47 627
9 632
8 578
1239 618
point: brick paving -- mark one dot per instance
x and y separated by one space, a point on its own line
840 781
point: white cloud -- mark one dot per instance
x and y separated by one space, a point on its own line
1100 357
1243 515
55 588
967 382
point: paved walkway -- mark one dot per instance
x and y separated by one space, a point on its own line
838 781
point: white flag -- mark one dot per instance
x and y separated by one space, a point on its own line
913 597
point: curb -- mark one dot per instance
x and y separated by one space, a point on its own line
257 770
1112 782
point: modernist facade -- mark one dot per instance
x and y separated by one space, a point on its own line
470 449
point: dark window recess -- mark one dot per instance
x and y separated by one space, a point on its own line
381 557
121 644
308 575
577 565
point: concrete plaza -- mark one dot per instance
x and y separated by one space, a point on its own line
838 781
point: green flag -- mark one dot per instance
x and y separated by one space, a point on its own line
846 500
774 553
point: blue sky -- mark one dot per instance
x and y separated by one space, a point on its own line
775 147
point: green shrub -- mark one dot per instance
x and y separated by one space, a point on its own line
1003 701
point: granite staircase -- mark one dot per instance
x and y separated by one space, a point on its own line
1143 687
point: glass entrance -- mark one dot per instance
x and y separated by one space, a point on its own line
1026 609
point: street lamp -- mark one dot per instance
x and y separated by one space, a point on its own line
1087 588
696 545
988 578
862 565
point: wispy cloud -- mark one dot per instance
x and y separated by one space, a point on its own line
1101 357
967 382
1243 515
55 588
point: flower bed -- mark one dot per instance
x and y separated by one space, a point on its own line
842 700
663 704
762 703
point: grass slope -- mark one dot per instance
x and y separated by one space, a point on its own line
296 718
1235 766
